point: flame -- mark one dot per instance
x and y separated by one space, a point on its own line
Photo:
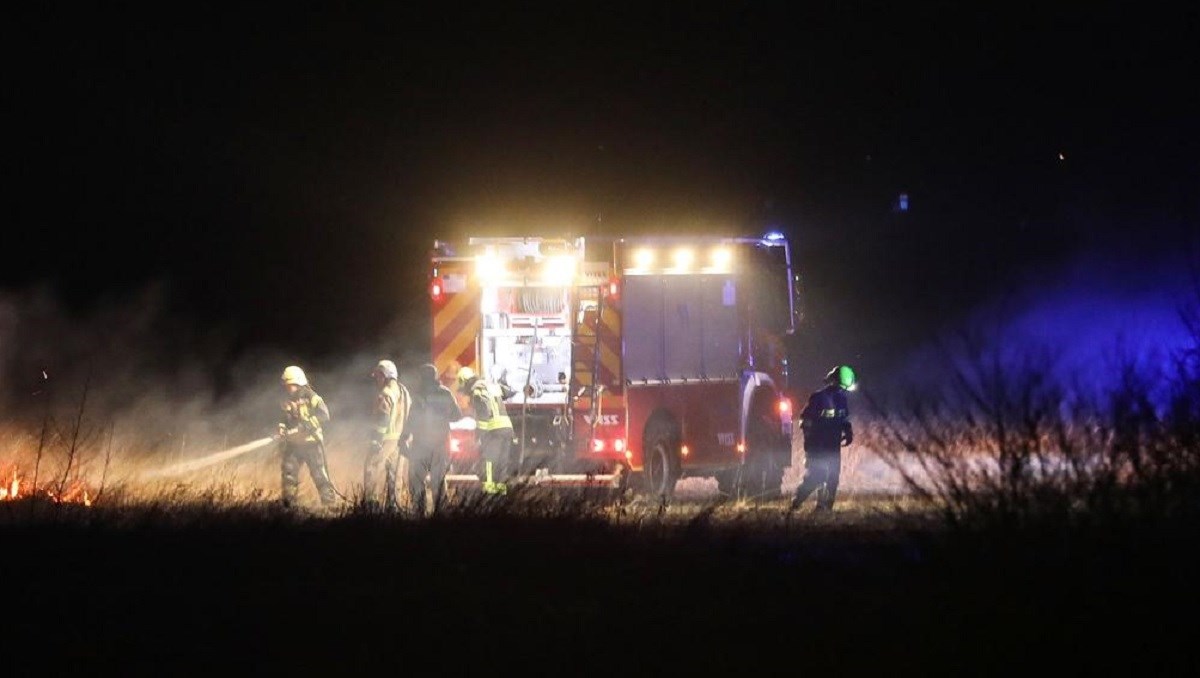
13 489
75 493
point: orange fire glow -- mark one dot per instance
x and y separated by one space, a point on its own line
15 488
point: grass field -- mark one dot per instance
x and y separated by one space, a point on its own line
214 586
205 574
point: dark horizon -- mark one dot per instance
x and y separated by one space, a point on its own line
279 177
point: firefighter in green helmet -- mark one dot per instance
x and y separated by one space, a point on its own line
825 421
302 438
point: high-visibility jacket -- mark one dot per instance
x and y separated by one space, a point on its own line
488 403
391 411
307 412
826 420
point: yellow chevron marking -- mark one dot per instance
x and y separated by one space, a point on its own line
455 347
450 312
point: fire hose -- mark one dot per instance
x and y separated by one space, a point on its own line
225 455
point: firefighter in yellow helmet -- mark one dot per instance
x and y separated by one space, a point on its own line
302 438
389 418
493 427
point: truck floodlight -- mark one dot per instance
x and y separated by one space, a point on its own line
683 259
560 270
721 258
773 236
489 268
643 259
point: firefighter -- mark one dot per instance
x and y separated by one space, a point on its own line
826 425
433 410
389 415
493 427
302 438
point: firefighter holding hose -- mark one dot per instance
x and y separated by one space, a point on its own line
302 439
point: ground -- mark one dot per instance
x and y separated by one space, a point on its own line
699 586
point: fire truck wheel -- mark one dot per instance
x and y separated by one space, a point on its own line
762 472
727 483
662 467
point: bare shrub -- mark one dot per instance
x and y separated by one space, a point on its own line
1001 443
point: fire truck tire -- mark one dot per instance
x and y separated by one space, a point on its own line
662 464
727 482
762 471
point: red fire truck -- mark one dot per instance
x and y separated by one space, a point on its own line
644 359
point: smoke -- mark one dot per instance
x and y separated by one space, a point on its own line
134 388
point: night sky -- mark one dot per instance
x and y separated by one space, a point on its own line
280 172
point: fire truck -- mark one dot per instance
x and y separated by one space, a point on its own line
632 362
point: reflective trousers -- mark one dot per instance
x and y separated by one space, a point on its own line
380 470
296 455
496 447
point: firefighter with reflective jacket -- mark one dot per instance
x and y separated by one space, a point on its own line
301 436
387 430
494 428
434 409
826 425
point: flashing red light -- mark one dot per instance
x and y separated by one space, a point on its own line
785 406
436 289
613 288
455 446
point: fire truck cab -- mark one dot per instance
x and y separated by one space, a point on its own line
639 358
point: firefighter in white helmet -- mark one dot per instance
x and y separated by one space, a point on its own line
302 438
389 417
493 427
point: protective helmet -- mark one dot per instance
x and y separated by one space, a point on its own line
842 375
464 377
427 374
294 375
386 369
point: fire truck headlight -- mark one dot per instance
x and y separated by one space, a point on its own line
683 259
560 270
643 259
619 445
